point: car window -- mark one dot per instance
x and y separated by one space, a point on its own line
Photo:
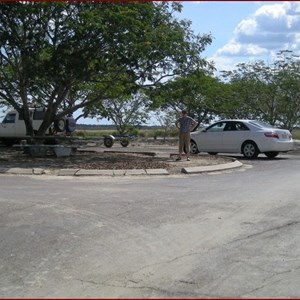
241 126
230 126
261 124
10 118
219 127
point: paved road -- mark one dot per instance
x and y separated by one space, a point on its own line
223 234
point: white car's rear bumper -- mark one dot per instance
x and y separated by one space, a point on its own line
276 145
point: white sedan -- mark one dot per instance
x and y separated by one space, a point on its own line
248 137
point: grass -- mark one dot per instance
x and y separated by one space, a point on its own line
148 133
296 134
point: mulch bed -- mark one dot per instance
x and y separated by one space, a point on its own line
10 157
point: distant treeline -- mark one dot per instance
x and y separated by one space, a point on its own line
109 127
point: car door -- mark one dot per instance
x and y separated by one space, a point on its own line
210 139
235 133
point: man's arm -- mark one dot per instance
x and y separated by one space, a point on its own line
194 124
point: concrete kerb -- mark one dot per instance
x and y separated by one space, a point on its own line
136 172
214 168
133 172
119 172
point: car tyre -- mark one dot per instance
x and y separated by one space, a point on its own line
193 148
250 149
271 154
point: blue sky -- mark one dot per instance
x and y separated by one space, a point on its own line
245 30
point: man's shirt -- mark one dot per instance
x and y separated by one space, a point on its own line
185 124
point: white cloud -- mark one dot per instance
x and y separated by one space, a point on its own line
248 26
272 27
275 11
231 48
236 49
255 50
223 63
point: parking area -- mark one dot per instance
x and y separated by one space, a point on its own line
230 234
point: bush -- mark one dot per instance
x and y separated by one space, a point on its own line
296 134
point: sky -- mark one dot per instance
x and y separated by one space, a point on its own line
245 31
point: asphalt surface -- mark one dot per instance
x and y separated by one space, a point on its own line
229 234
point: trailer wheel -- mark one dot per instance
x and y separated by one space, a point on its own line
124 143
108 142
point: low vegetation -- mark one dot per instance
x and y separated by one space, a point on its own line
146 133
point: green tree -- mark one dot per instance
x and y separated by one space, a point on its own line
198 92
254 92
166 121
267 92
69 55
126 113
288 80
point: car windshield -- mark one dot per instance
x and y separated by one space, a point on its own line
261 124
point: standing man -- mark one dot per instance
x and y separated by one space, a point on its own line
185 124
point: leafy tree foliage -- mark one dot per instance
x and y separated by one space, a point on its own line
166 121
198 92
69 55
125 113
288 79
267 92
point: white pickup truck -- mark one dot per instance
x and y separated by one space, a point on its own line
13 130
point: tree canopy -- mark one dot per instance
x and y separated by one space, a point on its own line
255 90
197 91
69 55
126 113
269 92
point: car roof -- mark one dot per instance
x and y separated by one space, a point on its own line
235 120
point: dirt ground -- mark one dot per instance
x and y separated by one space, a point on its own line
137 156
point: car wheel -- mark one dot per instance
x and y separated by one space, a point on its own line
108 142
271 154
212 153
124 143
193 147
250 150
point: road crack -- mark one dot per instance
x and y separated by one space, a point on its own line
250 236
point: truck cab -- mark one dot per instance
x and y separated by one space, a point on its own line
13 129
